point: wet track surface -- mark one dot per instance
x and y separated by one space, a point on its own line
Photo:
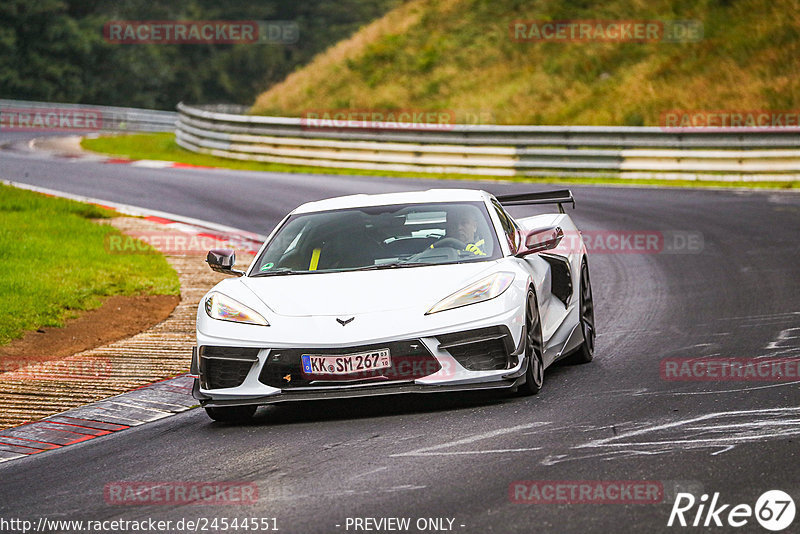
316 464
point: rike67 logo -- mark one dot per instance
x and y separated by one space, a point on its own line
774 510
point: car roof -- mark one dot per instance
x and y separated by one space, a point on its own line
385 199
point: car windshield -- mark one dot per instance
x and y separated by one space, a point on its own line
380 237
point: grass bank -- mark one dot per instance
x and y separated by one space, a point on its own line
55 262
460 56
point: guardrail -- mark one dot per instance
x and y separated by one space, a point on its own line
51 116
493 150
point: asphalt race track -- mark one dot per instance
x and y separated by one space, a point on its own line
733 292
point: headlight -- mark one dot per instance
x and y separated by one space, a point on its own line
224 308
484 289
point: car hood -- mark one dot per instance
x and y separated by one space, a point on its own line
359 292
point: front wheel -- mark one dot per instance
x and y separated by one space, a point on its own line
231 414
534 374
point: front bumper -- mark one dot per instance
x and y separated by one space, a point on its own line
372 390
466 355
253 378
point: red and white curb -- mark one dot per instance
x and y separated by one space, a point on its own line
148 403
153 163
74 153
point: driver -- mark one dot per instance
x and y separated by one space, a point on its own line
463 226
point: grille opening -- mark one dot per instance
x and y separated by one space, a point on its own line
483 349
560 278
225 367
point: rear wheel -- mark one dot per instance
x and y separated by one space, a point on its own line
585 352
534 374
231 414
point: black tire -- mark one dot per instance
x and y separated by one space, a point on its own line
232 414
534 349
585 353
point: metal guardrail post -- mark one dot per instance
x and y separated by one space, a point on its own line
635 152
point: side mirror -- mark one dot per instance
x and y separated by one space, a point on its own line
222 260
540 239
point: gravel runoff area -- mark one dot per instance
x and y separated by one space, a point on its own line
51 387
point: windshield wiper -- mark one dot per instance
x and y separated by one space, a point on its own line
392 265
279 273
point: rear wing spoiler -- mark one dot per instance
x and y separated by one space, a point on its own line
560 197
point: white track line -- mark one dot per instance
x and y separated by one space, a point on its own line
472 439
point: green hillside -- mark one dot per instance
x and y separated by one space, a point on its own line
458 55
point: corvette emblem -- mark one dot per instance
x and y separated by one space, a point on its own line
344 322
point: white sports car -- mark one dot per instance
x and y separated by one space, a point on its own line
418 292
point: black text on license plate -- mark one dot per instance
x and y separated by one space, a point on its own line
318 364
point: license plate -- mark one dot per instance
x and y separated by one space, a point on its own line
345 364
